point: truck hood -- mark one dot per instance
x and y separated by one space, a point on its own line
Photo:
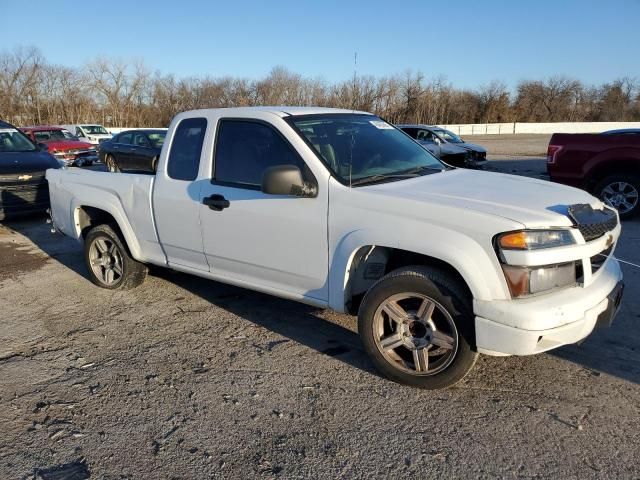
530 202
25 164
64 145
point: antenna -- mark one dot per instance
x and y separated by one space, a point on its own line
353 110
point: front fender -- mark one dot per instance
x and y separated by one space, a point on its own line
477 264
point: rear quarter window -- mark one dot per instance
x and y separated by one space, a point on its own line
186 149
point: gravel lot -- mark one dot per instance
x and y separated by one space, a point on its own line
188 378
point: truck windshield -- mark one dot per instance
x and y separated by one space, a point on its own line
46 135
94 129
11 140
361 149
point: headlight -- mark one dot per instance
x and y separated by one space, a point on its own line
535 239
528 280
525 281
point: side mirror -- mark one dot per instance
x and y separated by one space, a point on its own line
43 147
286 180
436 140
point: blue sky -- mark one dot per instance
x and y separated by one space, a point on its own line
469 42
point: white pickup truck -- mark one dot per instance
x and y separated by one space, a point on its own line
339 209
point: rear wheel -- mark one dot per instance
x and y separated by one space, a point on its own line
416 324
108 260
112 166
620 192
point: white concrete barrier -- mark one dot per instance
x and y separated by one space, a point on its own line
541 128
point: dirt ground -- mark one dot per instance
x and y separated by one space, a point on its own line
188 378
513 146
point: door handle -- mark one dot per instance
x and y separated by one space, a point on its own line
216 202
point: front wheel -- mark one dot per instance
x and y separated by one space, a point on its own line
417 325
620 192
109 262
112 166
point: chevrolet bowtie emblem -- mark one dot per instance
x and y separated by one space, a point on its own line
25 177
609 241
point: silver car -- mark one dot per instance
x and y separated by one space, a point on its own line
447 146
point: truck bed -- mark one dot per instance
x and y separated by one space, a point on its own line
127 197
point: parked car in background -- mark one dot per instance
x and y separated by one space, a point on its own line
23 187
447 146
339 209
133 150
88 132
605 164
62 144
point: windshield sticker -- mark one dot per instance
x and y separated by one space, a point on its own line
381 125
8 130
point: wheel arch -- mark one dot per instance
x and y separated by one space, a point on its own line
607 167
353 267
87 216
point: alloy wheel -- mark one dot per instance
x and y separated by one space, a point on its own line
415 334
620 195
105 260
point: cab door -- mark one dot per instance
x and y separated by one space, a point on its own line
274 242
176 196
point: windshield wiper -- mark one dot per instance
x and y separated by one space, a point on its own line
379 178
422 169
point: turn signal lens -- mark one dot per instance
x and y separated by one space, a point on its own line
516 240
535 239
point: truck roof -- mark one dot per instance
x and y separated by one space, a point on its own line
282 111
41 128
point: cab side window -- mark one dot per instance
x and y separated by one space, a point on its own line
140 140
245 149
186 148
124 138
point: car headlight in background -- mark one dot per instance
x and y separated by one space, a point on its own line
527 280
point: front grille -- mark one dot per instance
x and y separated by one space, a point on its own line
598 260
591 231
593 223
19 199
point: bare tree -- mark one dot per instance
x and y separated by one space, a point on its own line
124 93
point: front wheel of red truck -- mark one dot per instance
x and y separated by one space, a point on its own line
621 192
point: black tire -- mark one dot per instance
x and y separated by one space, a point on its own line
440 288
130 273
610 183
111 164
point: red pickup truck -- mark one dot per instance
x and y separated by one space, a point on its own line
605 164
62 144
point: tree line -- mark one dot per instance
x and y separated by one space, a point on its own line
119 93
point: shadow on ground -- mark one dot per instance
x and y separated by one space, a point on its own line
614 351
301 323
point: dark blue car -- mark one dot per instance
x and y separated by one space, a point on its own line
133 150
23 187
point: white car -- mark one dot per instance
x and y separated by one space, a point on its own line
340 209
89 132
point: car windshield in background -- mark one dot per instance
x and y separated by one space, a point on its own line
11 140
46 135
157 138
362 148
449 136
95 130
